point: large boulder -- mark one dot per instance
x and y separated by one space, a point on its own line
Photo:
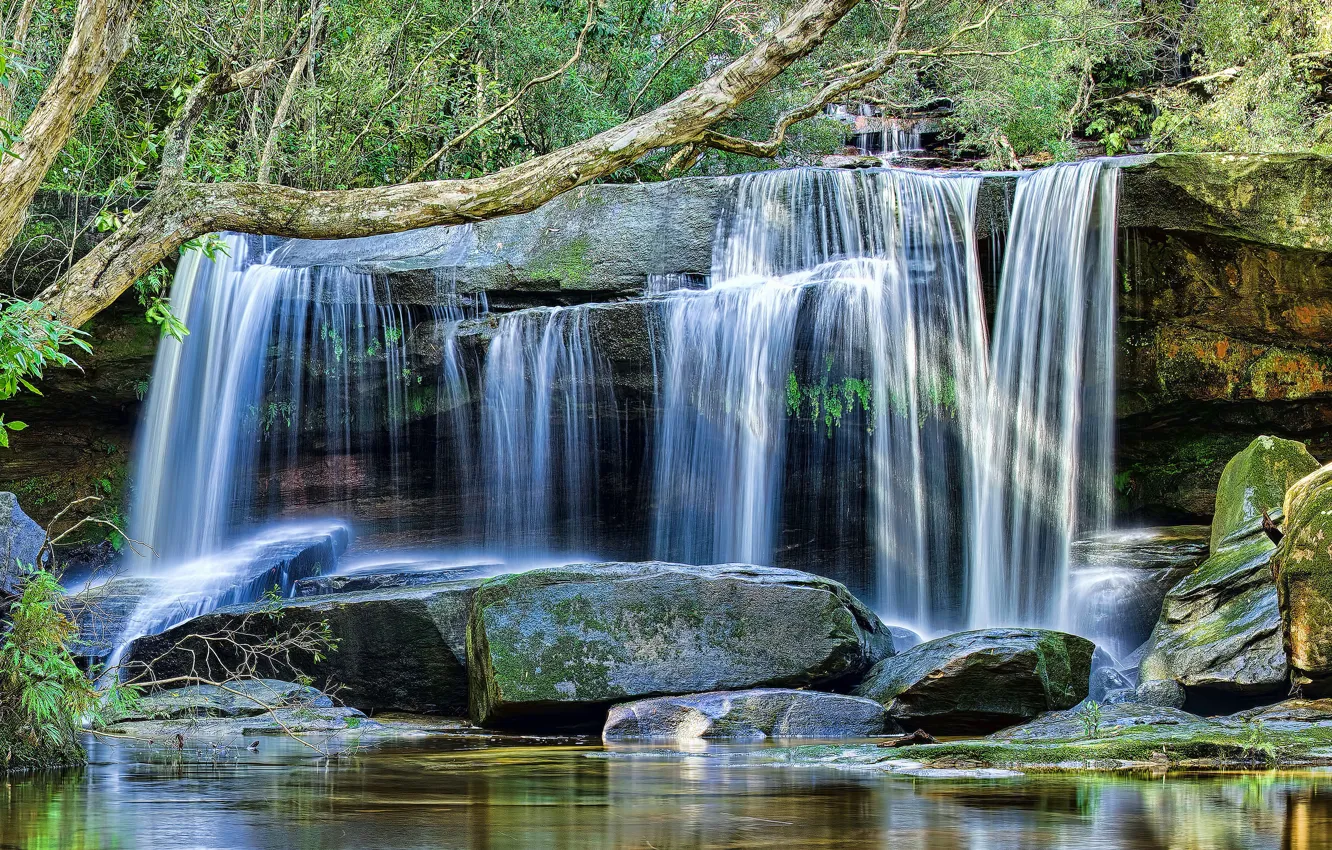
560 645
751 715
1220 628
1303 568
397 648
21 541
980 681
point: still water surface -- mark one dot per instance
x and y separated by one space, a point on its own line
437 793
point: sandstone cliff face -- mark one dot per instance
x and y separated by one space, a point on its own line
1225 320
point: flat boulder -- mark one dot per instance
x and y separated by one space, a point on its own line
560 645
398 649
980 681
240 698
1078 723
1220 628
1302 565
751 715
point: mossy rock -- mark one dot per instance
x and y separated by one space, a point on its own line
1256 480
1220 628
1303 566
557 646
980 681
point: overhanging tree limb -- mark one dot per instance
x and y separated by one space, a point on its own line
184 211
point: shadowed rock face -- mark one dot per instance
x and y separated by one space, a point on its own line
398 649
751 715
21 542
1220 628
981 681
564 643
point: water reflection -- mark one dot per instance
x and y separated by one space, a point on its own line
440 794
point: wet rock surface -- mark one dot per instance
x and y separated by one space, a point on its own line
980 681
751 715
243 575
1220 628
566 642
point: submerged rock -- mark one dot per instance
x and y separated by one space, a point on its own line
21 541
751 715
562 644
1303 568
1220 628
242 698
980 681
398 648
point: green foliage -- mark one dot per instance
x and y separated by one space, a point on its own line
44 696
1090 718
30 341
1258 742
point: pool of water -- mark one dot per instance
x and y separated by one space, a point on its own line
439 793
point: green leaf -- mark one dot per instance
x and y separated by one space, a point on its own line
16 426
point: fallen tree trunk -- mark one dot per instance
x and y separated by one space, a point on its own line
183 211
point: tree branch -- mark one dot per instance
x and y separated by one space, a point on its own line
187 210
177 146
288 92
101 35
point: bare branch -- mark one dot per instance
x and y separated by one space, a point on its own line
535 81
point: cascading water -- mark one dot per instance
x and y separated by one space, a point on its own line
214 405
827 398
1044 468
850 300
548 418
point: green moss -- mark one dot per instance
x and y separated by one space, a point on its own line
567 263
1255 480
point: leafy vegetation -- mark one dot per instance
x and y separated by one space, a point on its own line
43 695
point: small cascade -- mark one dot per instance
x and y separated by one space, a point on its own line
1044 470
227 432
548 420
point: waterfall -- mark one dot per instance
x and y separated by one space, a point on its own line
828 397
1044 469
544 430
277 360
846 304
